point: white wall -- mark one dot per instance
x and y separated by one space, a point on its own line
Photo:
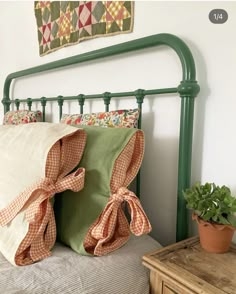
214 49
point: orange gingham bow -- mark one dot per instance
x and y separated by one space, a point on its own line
111 230
39 213
36 198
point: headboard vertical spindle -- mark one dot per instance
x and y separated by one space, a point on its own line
43 103
60 102
29 103
107 100
81 100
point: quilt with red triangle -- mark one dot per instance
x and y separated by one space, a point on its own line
63 23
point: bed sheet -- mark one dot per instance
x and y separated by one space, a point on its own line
120 272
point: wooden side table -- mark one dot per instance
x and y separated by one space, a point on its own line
185 268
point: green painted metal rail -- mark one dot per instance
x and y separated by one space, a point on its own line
187 89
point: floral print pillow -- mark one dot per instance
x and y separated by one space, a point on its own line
118 118
22 117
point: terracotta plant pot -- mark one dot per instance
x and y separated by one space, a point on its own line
214 238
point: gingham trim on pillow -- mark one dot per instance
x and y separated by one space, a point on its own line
111 230
22 117
41 235
127 118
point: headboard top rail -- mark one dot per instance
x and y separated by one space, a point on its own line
182 50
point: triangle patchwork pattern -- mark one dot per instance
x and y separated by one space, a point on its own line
62 23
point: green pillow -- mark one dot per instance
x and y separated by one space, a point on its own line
112 158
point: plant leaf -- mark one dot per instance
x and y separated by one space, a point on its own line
212 202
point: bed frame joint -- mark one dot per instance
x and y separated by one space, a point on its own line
6 103
29 103
43 103
81 99
107 99
17 103
188 88
139 94
60 100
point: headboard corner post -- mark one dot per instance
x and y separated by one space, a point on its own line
188 90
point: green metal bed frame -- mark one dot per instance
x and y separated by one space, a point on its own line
187 90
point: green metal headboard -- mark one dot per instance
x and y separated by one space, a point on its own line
187 90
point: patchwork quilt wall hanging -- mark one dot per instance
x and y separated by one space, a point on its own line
63 23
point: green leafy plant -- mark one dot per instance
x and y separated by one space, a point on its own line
212 203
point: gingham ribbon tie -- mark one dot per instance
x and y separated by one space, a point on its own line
139 223
113 222
35 199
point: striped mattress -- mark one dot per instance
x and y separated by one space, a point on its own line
120 272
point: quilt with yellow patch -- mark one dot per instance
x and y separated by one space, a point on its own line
63 23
